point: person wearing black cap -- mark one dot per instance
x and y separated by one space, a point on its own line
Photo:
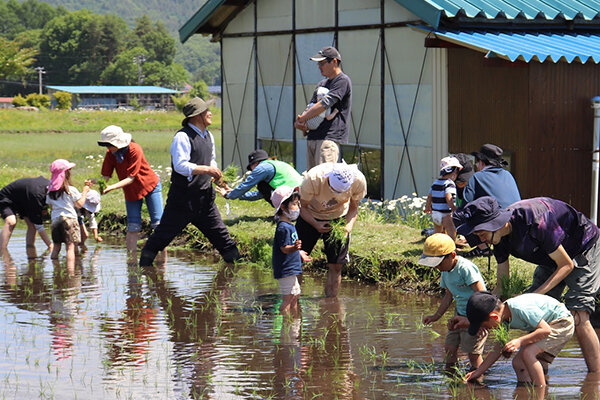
491 179
267 175
548 322
191 197
560 240
323 142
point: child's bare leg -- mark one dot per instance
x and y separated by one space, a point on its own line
533 365
449 226
451 356
438 228
520 369
71 248
84 233
285 306
475 360
55 250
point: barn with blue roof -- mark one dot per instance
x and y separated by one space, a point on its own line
111 97
430 77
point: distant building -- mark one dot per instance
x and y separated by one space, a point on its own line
6 102
109 97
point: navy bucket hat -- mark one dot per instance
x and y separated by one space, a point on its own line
483 214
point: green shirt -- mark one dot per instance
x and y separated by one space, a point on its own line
459 280
530 308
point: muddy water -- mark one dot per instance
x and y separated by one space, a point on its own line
193 330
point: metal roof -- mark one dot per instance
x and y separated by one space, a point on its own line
432 11
113 89
526 46
214 15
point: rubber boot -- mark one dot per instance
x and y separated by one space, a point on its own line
147 258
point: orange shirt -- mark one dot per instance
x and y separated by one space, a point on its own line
134 165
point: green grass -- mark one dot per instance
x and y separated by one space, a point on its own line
381 252
18 121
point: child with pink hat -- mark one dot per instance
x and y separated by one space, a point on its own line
65 199
287 258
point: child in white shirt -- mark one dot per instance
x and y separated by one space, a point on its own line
65 200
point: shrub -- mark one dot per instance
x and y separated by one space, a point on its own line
135 104
38 100
180 101
63 100
200 89
19 101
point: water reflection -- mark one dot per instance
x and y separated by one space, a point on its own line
108 329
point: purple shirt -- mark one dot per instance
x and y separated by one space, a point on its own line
539 226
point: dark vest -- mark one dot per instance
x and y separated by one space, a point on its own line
200 154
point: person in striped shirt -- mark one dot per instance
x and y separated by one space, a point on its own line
442 197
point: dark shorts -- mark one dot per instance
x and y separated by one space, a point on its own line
583 282
66 230
310 236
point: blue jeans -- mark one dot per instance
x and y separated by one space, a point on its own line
154 202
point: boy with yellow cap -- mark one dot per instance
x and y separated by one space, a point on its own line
460 279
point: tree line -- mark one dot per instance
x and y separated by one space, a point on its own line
83 48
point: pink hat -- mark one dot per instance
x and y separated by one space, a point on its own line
279 195
58 168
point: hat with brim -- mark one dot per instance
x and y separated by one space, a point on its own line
325 53
492 154
437 246
195 106
257 155
483 214
92 201
467 168
279 195
113 135
58 168
479 307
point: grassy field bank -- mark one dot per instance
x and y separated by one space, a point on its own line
383 253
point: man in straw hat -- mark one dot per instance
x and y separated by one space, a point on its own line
191 196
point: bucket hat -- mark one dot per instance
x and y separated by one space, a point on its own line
479 307
92 201
281 194
483 214
257 155
437 246
195 106
492 154
447 164
467 168
58 169
113 135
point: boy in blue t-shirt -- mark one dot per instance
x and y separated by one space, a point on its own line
287 258
460 278
548 322
442 197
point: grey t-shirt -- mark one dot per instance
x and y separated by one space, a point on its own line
339 98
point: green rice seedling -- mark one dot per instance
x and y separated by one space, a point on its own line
337 236
231 174
514 284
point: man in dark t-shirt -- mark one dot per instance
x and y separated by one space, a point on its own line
560 239
25 198
323 141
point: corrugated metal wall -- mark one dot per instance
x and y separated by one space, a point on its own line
260 92
539 113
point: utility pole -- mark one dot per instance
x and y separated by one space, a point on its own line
139 60
40 71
